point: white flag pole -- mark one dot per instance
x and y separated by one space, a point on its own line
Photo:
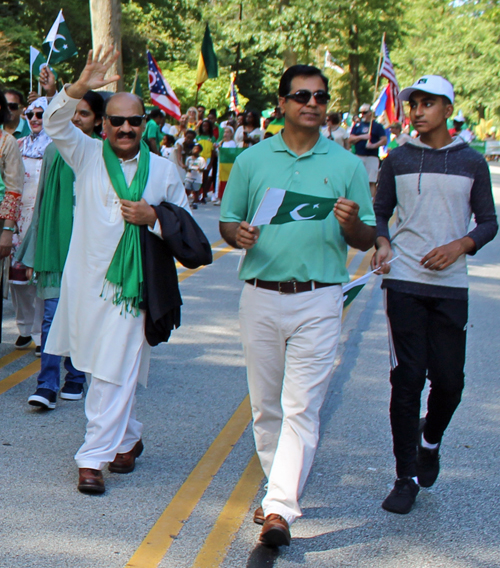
31 75
50 52
243 252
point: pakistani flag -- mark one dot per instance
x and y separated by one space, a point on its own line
58 45
37 61
279 206
207 62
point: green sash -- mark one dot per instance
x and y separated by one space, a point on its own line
125 271
55 224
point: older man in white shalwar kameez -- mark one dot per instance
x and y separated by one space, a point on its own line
101 337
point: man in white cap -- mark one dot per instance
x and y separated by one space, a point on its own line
368 136
437 182
458 129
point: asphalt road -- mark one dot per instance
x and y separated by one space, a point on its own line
190 500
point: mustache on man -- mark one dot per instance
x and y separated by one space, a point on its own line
132 135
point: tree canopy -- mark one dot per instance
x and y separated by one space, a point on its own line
258 39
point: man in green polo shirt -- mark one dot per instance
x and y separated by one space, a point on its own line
291 305
16 125
152 133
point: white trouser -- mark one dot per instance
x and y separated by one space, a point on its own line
112 427
29 310
289 341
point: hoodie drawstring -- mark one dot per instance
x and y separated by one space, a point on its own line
421 168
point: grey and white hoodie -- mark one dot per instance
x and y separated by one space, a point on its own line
435 193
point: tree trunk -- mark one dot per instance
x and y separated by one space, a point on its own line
106 16
481 111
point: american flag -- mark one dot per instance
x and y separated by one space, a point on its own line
387 71
161 92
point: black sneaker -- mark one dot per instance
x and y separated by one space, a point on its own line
71 391
427 461
23 342
401 499
44 398
38 351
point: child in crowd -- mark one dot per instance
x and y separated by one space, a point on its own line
195 165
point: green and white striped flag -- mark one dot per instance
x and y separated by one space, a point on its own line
58 45
279 206
354 287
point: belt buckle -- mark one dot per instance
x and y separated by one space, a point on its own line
294 282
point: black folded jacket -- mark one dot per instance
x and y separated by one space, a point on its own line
182 240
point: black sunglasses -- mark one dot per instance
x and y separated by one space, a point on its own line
120 120
304 96
13 106
30 115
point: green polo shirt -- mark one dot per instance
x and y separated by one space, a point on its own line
153 131
299 250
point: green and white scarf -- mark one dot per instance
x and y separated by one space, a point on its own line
125 271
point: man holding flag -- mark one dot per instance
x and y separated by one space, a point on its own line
291 304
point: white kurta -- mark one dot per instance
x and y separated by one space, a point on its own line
89 328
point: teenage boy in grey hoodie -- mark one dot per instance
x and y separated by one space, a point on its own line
436 182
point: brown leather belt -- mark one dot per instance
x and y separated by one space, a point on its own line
290 287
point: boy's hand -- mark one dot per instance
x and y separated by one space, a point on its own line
48 81
444 256
382 256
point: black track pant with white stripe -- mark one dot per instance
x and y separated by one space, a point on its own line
428 340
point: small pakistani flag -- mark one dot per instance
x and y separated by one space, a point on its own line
207 61
353 288
58 45
279 206
37 62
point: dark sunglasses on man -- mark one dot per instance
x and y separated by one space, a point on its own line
13 106
303 96
120 120
30 115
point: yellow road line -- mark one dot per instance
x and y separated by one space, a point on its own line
189 272
13 356
160 537
19 376
232 515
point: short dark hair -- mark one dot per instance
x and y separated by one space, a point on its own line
210 127
16 93
334 117
155 113
170 139
190 132
96 104
213 111
4 109
299 71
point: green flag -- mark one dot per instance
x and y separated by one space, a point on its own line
279 206
207 61
37 62
58 45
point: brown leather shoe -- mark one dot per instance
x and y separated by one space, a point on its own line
258 516
90 481
125 463
275 531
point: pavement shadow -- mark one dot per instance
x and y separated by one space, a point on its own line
262 557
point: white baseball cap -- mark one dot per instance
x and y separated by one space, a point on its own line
433 84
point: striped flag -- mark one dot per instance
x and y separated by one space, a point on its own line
207 62
227 157
387 71
161 92
233 94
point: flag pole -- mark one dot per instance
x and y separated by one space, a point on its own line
50 52
377 78
134 84
31 75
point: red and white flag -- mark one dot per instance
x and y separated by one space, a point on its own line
387 71
161 92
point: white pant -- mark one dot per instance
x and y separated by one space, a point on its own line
112 427
289 341
29 310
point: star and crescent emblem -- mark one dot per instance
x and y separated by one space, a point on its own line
295 213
